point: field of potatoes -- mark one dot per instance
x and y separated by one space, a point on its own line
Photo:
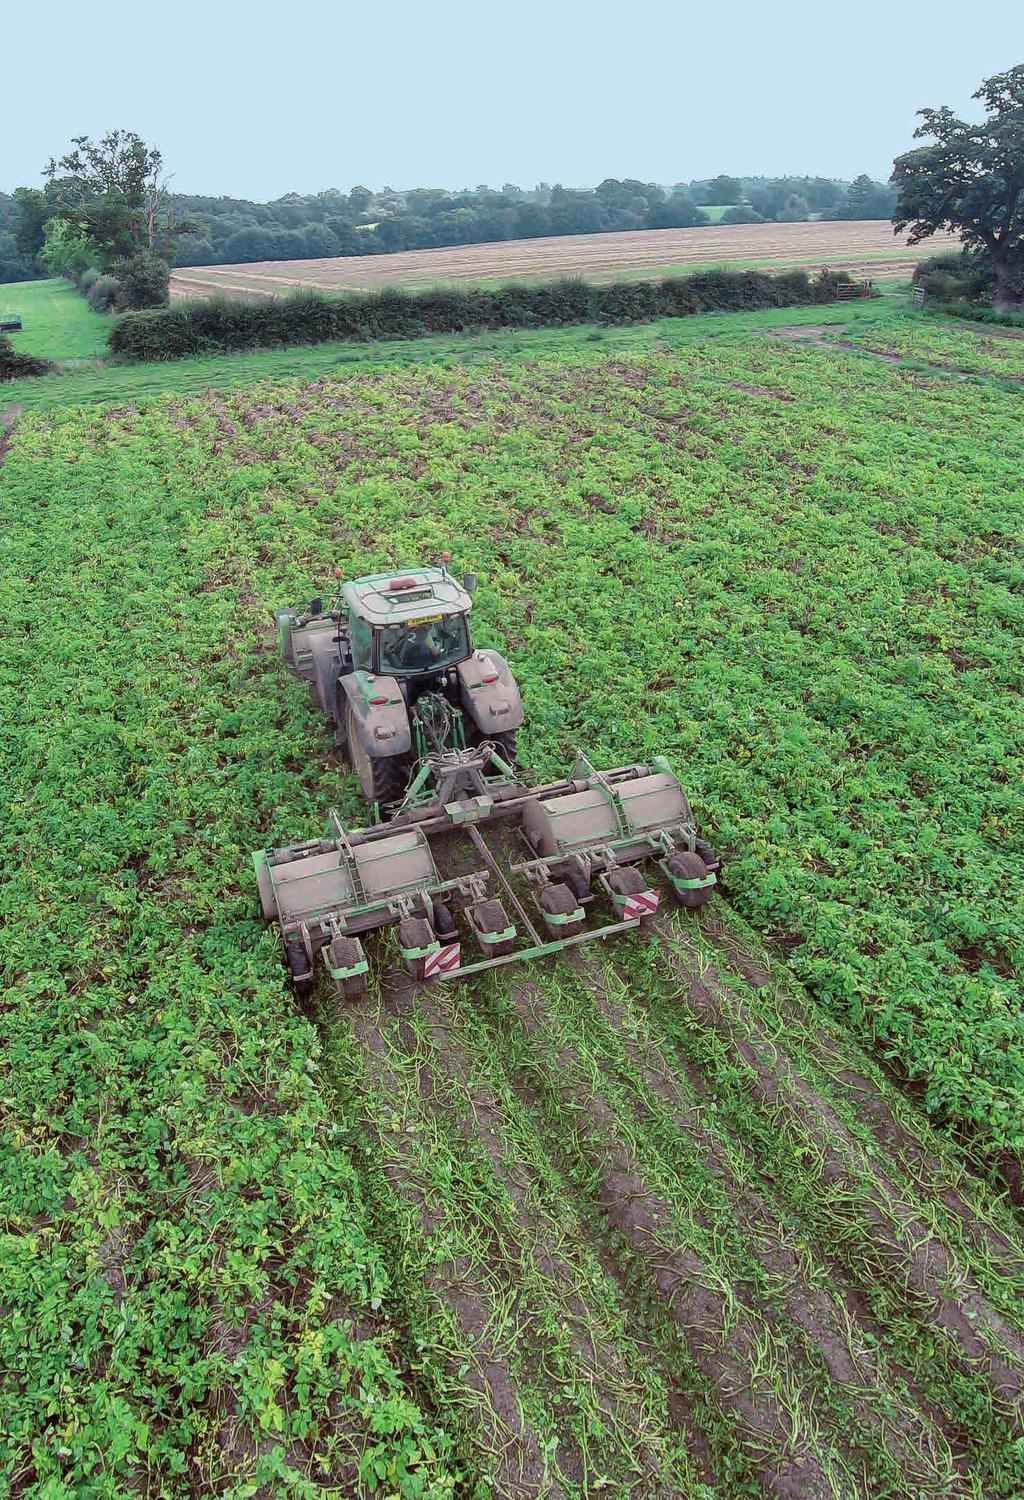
717 1210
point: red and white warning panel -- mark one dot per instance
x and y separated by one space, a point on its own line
442 960
643 904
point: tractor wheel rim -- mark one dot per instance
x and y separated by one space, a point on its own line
360 760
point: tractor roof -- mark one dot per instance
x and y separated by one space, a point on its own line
397 598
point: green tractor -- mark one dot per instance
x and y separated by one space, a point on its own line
461 845
394 668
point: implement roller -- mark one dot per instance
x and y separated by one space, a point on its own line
462 847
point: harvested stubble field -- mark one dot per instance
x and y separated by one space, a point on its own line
647 1223
862 247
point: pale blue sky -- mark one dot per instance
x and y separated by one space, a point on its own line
257 100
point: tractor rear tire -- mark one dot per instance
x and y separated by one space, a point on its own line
505 744
687 866
383 778
559 900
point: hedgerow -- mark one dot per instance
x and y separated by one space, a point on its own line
310 318
15 365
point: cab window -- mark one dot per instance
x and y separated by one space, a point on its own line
424 647
362 643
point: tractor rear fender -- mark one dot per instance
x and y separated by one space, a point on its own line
383 728
489 692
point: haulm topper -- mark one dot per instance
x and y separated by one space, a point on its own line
461 845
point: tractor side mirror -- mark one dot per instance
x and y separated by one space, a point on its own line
316 606
469 582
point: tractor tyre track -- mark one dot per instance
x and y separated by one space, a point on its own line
483 1123
503 1431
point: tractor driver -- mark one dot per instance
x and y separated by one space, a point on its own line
418 648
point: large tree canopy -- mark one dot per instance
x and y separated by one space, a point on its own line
112 191
971 180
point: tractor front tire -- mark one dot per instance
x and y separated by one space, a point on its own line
383 778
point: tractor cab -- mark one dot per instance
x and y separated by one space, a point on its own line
409 625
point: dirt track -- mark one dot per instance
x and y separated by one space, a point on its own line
864 247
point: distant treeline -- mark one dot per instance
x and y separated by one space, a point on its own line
203 327
363 222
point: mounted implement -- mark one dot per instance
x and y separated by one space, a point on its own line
462 847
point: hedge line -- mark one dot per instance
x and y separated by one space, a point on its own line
14 364
312 318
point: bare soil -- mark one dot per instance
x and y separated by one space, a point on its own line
862 247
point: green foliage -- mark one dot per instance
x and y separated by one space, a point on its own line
309 318
742 213
795 210
31 213
953 276
144 281
66 250
970 180
184 1255
15 365
239 1258
104 294
723 189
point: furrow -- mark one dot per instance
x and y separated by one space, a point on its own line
483 1123
945 1180
896 1236
753 1376
914 1444
460 1286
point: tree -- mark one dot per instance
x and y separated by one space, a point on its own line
66 250
677 212
971 180
31 213
742 213
145 281
723 189
113 192
794 211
